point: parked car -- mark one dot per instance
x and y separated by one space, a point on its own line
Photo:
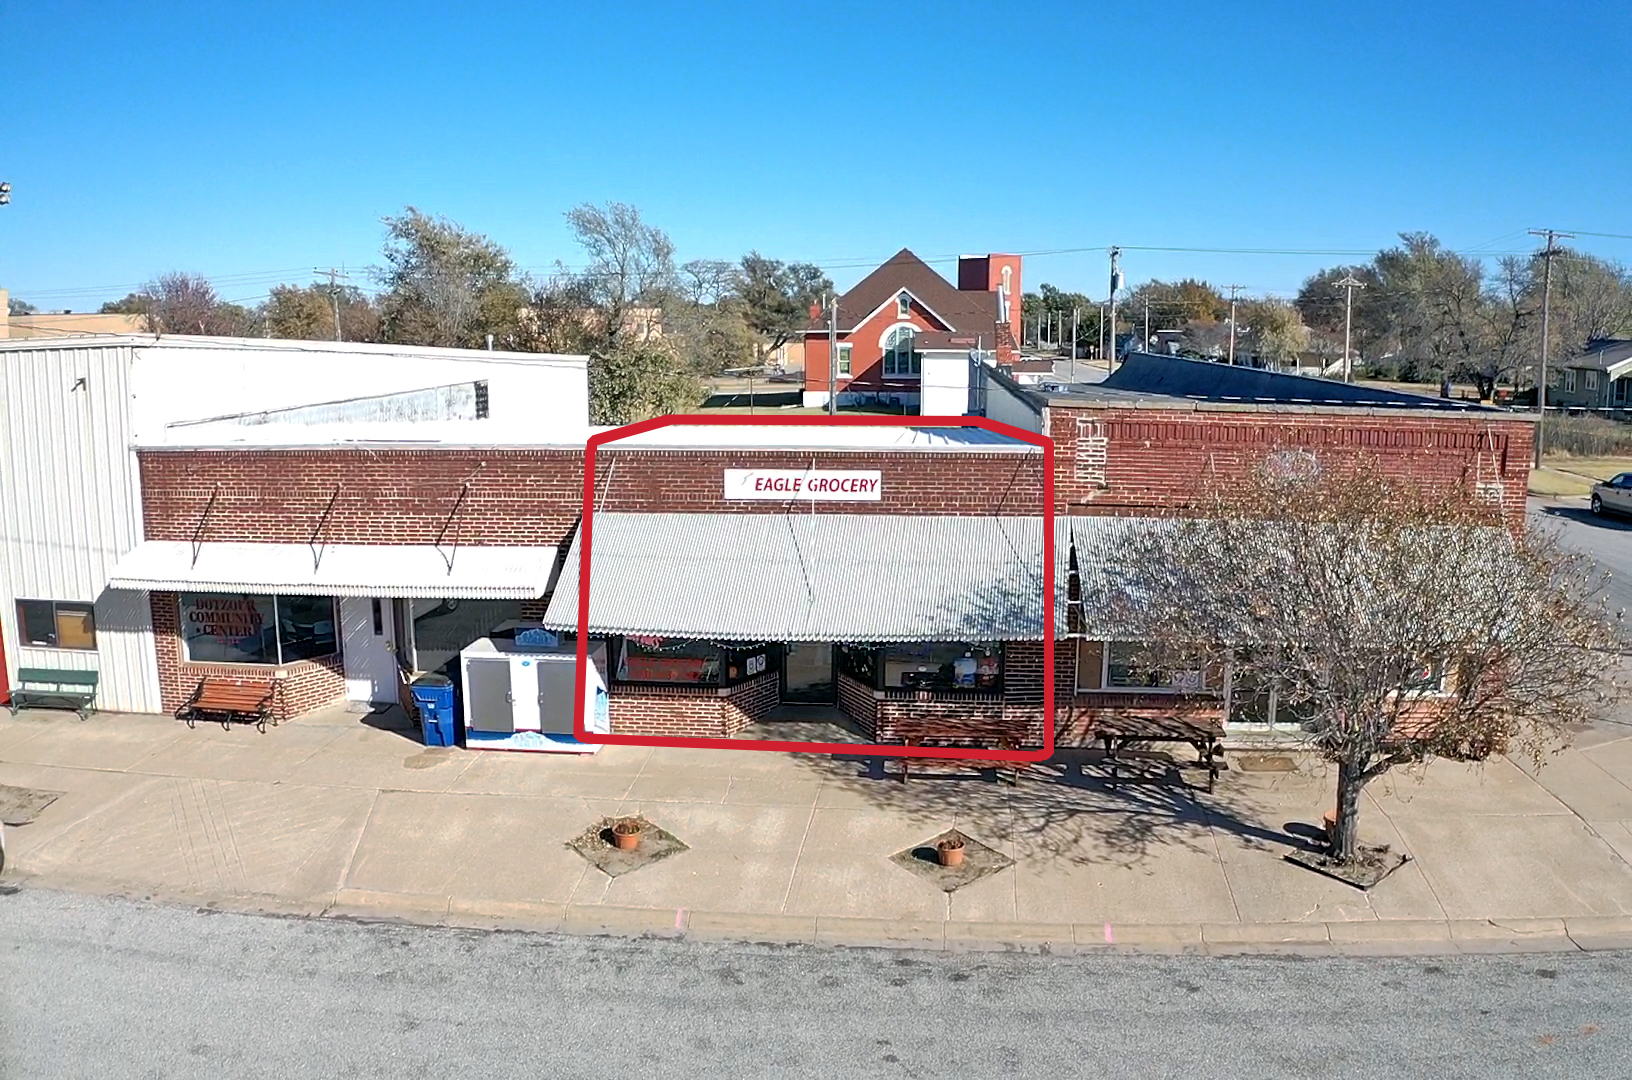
1613 496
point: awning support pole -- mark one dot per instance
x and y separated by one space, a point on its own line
317 550
203 520
453 517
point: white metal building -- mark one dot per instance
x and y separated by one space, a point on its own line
73 411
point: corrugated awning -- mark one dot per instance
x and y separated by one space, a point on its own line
810 577
409 570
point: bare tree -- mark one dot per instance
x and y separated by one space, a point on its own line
1398 622
180 303
631 265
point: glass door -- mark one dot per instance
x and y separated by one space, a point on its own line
807 673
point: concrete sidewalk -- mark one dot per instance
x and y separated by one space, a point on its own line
339 814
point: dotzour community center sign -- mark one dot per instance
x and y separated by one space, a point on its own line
816 485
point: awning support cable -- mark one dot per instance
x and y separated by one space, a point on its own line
452 523
317 548
203 520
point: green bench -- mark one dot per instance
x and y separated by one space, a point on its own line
54 688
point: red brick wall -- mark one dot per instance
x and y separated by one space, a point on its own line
856 700
752 700
691 712
913 482
1110 460
899 705
308 685
384 496
526 496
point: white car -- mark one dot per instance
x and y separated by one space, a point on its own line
1613 496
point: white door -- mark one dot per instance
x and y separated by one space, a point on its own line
369 646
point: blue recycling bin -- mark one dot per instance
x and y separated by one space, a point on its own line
434 696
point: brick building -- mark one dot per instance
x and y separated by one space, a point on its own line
903 309
889 573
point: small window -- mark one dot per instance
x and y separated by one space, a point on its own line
1569 380
903 306
52 624
844 359
1592 380
901 358
953 665
1123 672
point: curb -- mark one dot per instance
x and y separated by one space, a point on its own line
1361 938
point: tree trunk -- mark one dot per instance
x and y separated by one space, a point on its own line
1346 834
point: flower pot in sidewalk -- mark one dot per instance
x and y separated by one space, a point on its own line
950 851
626 834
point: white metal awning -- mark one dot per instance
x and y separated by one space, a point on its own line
809 577
410 570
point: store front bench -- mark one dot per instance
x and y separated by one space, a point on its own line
972 736
54 688
1120 734
226 702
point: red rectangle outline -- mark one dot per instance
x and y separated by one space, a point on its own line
582 734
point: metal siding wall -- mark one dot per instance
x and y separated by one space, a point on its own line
71 508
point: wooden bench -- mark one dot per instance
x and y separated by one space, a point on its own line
54 688
972 736
227 701
1118 733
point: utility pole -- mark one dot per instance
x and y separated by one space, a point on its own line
833 355
1146 345
1103 351
1348 284
334 294
1116 283
1233 290
1075 315
1546 305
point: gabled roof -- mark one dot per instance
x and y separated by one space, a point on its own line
1603 354
968 312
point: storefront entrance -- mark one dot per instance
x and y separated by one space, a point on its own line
369 648
807 674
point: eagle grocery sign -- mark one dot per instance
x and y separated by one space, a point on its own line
815 485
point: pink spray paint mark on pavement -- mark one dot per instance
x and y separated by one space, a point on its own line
679 918
1109 940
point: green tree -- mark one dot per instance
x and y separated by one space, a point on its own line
15 306
776 298
135 303
1174 304
308 313
1271 330
636 380
445 285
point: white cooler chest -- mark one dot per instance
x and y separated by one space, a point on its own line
520 697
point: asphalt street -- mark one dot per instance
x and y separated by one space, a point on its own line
113 988
1607 539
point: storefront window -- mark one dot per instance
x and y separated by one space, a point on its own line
442 627
224 629
860 662
668 660
944 666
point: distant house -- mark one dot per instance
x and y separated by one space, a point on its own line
1600 377
881 321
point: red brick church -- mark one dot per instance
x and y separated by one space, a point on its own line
897 312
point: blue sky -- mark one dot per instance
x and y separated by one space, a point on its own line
253 142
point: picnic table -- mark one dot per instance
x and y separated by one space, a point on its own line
1118 734
972 735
